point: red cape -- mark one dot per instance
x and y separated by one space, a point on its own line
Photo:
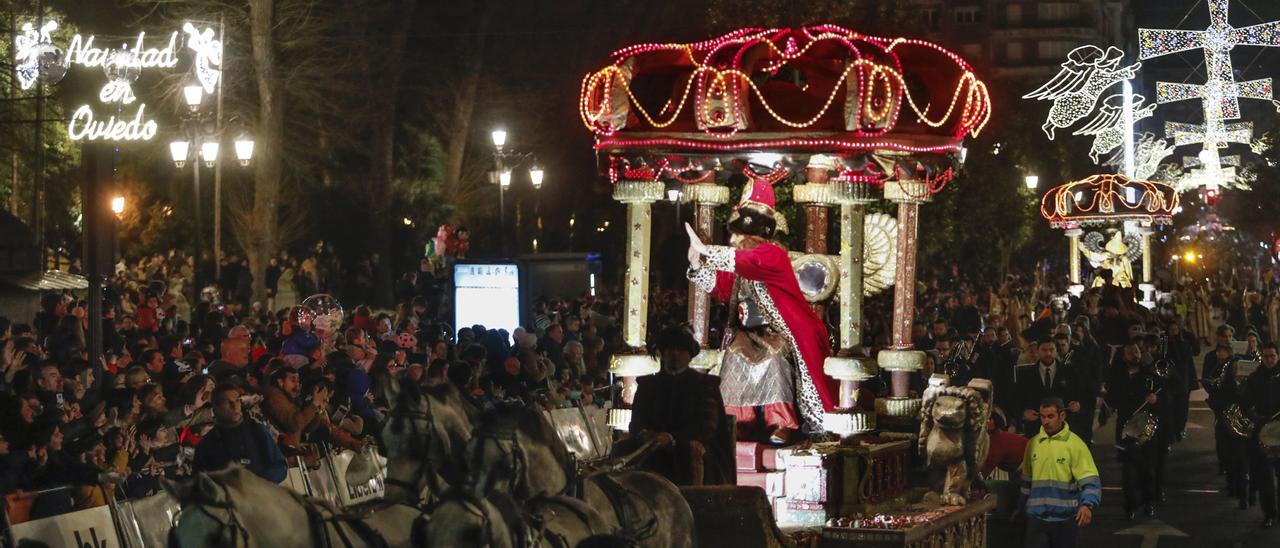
770 264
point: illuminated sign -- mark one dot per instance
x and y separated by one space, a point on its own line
208 55
83 127
38 59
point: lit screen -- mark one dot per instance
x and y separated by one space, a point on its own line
486 294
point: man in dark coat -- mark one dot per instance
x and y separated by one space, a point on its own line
1260 401
680 410
1048 376
239 440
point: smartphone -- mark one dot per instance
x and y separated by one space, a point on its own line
61 399
339 414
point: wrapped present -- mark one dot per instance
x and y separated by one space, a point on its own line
749 456
773 483
798 513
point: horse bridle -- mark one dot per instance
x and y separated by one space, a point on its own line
419 449
238 531
507 432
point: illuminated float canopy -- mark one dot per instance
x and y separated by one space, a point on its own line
894 104
1109 200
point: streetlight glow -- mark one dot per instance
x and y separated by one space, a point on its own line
1032 182
535 175
209 151
499 137
117 205
179 150
504 178
244 149
193 93
674 194
1190 257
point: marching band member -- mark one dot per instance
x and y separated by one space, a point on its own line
1132 388
1260 401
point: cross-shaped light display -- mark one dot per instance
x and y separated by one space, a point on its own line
1220 91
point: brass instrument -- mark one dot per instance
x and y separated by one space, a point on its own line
1269 437
1161 365
959 357
1238 425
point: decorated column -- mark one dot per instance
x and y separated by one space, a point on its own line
704 196
1148 289
901 359
638 196
851 365
1073 251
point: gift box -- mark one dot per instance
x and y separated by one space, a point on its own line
773 483
749 456
798 513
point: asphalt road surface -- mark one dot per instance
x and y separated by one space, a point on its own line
1197 511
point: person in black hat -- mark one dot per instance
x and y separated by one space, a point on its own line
680 411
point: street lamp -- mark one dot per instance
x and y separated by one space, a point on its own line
1032 182
117 205
535 175
193 93
504 160
244 149
179 151
209 151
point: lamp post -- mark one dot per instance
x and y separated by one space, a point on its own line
202 145
1032 181
504 160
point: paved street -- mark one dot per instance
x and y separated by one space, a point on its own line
1196 512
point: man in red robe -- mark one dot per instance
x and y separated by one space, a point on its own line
774 358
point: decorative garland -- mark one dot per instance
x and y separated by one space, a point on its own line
718 103
1107 201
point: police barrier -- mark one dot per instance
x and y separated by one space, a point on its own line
346 479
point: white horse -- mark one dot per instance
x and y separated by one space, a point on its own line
425 438
234 507
517 452
462 518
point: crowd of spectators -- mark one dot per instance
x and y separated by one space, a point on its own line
184 387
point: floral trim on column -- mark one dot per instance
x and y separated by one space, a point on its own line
720 257
703 278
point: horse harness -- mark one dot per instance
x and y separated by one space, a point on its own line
527 528
318 523
419 448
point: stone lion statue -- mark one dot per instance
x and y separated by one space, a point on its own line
953 437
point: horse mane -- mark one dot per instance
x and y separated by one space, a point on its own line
530 423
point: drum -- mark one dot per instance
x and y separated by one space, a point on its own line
1238 425
1140 428
1269 439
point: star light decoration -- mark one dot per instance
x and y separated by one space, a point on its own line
1087 72
1220 91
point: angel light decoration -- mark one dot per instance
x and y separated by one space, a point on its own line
1074 91
1108 125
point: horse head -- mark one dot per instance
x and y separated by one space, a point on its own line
208 517
425 436
464 518
517 451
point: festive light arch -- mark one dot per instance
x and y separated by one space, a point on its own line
1108 199
719 87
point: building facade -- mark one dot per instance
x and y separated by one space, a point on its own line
1024 38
